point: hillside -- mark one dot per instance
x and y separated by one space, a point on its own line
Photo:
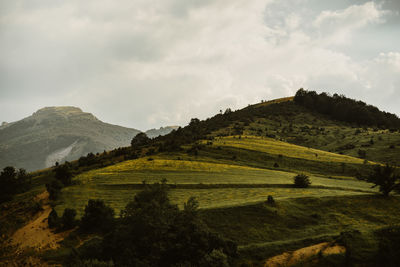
240 166
57 134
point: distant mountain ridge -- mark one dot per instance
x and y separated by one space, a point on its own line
57 134
161 131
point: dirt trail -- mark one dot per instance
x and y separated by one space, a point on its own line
292 258
36 234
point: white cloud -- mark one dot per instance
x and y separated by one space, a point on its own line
340 24
150 63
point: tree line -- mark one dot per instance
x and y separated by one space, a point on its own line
346 109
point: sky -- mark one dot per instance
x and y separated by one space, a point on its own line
146 63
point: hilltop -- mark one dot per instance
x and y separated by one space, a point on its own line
54 134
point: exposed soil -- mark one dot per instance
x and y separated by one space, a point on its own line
36 234
297 256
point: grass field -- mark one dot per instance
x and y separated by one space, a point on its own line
263 230
233 184
118 197
272 146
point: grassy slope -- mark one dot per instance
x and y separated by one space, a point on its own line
239 175
214 181
297 125
264 230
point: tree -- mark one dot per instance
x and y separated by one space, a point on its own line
154 232
68 218
302 181
12 182
98 217
54 189
386 178
53 219
63 174
141 139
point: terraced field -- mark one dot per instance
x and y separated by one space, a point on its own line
213 184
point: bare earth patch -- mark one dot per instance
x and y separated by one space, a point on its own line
294 257
36 234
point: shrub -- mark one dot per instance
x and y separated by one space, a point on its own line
386 178
63 174
216 258
54 189
91 249
302 181
98 217
53 219
270 200
68 219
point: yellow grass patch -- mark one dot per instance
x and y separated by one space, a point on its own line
275 147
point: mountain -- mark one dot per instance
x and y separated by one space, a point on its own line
162 131
56 134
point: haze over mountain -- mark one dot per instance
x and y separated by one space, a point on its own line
54 134
161 131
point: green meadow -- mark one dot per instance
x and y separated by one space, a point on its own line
213 181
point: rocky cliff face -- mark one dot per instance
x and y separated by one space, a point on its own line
54 134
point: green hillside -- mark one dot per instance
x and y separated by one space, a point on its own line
214 182
240 166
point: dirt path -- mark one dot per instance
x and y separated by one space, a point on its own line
292 258
36 234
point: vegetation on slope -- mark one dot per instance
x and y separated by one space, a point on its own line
345 109
244 162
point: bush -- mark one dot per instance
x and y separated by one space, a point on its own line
91 249
270 200
63 174
302 181
216 258
98 217
386 178
68 219
54 189
53 219
12 181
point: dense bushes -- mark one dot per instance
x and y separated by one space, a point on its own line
12 181
68 219
66 222
63 174
54 189
98 217
153 232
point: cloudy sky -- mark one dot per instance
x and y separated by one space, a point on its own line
147 63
